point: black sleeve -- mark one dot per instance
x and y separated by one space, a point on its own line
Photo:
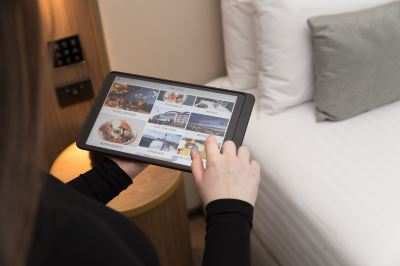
103 183
229 224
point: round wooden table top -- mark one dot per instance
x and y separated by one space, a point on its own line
149 189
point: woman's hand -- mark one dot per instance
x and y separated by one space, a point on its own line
130 167
228 175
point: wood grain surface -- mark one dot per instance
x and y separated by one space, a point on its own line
63 18
149 189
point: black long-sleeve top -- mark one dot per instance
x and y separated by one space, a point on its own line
74 227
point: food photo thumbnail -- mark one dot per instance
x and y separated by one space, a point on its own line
119 130
188 144
178 98
131 98
214 105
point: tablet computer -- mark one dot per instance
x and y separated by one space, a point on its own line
160 121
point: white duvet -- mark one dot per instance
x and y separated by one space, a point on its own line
330 192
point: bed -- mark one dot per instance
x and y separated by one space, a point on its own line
330 191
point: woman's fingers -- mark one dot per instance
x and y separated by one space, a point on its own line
244 153
211 147
229 175
197 167
255 165
229 148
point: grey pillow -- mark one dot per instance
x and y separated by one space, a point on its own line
356 61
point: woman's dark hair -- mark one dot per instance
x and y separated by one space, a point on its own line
20 183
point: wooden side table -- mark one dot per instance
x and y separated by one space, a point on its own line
155 202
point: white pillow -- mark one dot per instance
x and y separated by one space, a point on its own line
284 41
240 42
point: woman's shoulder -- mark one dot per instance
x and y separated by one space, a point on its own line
67 205
73 229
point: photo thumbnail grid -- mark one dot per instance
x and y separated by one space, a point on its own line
171 123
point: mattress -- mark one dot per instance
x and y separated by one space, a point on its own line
330 192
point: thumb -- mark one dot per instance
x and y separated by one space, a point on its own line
197 167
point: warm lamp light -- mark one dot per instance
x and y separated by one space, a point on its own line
71 163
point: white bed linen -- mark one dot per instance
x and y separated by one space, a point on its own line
330 192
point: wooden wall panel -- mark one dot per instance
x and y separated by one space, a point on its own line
62 18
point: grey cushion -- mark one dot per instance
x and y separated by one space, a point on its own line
356 61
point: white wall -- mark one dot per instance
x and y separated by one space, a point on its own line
174 39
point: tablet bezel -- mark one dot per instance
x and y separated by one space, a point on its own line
244 101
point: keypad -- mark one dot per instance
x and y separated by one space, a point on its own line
67 51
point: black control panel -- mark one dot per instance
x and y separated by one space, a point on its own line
74 93
67 51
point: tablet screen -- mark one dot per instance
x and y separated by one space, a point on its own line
160 121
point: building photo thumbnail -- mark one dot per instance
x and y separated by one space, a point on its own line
162 116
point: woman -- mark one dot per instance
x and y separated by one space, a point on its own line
44 222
